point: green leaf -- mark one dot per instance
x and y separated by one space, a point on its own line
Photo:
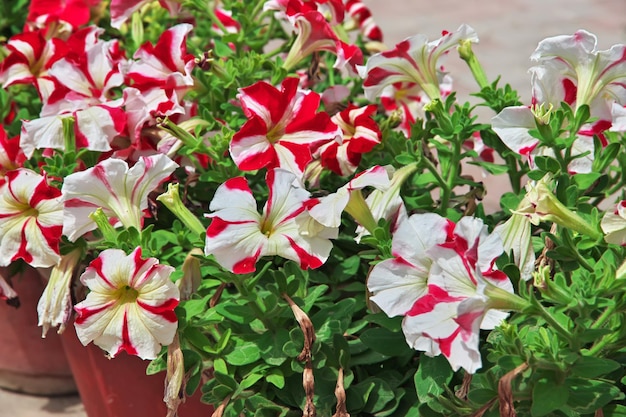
276 378
588 395
385 341
244 354
584 181
614 410
592 367
547 397
431 376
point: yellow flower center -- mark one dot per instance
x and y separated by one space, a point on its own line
126 294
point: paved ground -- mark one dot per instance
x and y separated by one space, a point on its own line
509 32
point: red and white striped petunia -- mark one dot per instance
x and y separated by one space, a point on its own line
162 71
11 156
314 33
333 10
414 60
363 17
444 282
120 191
283 125
74 12
130 304
238 235
360 134
30 56
31 218
122 10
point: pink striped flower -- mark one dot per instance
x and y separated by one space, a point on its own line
31 218
414 60
238 235
283 125
360 134
120 191
443 281
130 304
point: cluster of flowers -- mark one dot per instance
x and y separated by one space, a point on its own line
442 277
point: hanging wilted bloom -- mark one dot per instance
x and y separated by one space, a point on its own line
238 235
283 125
443 281
614 224
8 294
31 215
414 60
120 191
55 304
130 304
328 211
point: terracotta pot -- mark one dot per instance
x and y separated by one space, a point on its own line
29 363
119 387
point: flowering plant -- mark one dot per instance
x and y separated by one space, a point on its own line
263 199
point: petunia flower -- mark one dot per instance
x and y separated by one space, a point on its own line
314 33
363 17
414 60
569 70
397 282
75 12
31 218
11 157
162 72
130 304
238 235
360 134
589 74
613 224
283 125
443 281
120 191
122 10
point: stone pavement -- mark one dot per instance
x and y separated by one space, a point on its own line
509 32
